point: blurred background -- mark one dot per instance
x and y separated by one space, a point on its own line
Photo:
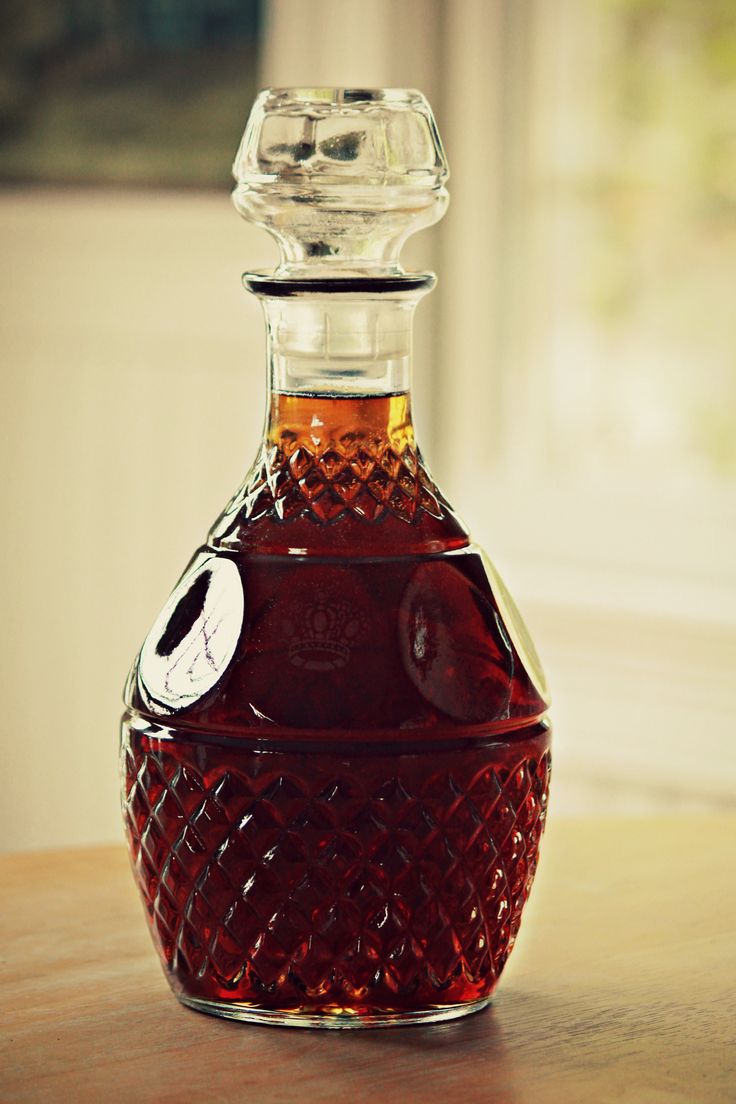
575 369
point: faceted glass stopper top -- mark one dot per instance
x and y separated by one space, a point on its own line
340 176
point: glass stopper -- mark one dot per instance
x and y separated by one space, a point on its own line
340 177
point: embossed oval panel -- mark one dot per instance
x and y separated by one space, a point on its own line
194 638
453 645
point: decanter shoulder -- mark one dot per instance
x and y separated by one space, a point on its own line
350 498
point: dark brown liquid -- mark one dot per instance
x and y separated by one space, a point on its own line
347 818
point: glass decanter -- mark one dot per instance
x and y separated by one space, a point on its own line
335 757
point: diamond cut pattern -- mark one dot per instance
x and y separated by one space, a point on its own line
324 883
364 482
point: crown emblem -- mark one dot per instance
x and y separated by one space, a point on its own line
325 634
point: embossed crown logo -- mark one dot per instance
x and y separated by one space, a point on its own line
324 635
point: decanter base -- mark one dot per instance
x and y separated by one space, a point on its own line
333 1018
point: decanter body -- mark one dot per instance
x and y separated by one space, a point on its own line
335 757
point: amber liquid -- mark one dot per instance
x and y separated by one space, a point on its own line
346 823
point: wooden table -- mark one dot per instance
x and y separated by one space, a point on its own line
621 988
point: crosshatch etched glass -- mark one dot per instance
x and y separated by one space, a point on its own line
335 752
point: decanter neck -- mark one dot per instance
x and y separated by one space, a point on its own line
339 451
348 426
326 341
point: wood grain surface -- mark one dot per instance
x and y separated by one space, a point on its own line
621 989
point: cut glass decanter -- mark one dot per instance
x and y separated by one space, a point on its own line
334 755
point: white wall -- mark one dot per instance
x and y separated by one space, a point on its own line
132 399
